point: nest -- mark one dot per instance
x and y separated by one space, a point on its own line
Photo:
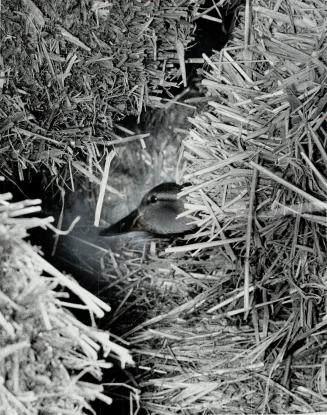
235 316
49 360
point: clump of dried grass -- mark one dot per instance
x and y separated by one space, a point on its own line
257 163
49 360
69 71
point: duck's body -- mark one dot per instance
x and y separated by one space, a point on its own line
87 252
157 214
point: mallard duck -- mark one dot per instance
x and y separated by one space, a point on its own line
157 214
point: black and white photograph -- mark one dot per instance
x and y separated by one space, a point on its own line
163 207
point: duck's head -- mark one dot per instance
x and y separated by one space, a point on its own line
156 214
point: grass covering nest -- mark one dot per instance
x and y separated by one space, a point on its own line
69 71
49 360
249 336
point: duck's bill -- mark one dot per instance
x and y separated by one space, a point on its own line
127 224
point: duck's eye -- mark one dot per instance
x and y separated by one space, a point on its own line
153 199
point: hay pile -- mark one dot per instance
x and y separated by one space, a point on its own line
49 360
237 315
69 71
241 327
